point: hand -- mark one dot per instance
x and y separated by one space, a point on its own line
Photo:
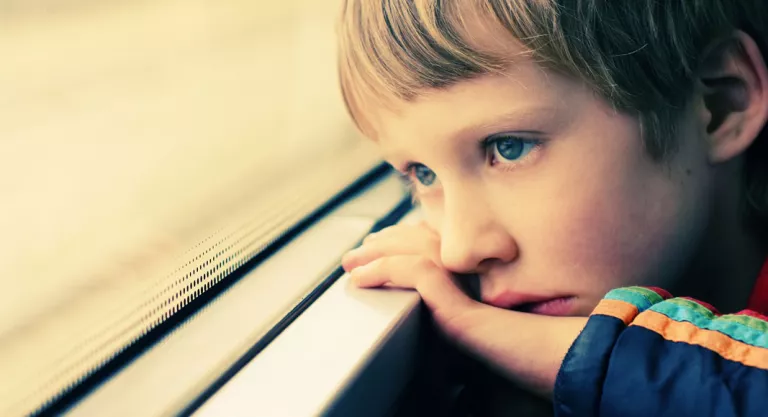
527 347
408 256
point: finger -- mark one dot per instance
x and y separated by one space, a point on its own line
435 285
392 244
397 271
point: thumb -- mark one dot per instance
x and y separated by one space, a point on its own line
445 294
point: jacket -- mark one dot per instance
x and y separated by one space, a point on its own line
646 353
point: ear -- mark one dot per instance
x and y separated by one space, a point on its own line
734 85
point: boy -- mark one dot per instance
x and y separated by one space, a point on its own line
563 150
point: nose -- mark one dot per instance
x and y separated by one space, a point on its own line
472 239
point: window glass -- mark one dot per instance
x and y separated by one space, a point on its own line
147 149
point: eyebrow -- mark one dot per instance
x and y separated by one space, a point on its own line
517 119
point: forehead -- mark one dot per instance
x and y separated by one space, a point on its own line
416 55
526 96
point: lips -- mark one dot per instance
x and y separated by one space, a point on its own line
554 307
536 304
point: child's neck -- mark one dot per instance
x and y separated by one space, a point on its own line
724 269
724 276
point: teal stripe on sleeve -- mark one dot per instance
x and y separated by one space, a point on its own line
747 329
640 297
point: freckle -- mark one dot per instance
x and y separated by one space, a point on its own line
688 172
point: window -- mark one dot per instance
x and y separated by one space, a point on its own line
147 150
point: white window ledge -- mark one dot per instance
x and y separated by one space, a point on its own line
349 353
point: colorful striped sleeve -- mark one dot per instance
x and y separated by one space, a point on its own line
644 353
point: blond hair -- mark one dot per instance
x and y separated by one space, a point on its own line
640 55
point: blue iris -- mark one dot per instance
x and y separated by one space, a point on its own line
511 148
424 175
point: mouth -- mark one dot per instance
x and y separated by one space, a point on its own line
543 305
560 306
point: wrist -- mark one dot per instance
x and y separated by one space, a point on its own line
527 348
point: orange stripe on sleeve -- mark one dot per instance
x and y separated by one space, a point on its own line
622 310
682 331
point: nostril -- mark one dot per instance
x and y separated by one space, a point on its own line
486 265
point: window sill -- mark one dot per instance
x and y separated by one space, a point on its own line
347 354
354 368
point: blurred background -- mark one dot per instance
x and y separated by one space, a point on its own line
130 131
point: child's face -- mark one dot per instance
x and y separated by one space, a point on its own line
564 201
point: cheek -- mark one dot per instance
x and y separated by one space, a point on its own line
432 214
623 227
602 241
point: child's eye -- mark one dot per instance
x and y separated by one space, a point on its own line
424 175
509 149
420 180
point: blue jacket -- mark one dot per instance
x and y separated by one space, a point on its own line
644 353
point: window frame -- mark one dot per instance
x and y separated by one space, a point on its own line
373 341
